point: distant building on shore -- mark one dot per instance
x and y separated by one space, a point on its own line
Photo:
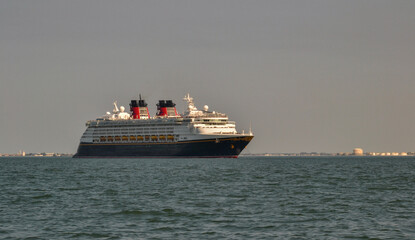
358 152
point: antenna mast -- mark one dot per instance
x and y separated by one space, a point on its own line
115 110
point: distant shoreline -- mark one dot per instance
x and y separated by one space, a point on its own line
36 155
369 154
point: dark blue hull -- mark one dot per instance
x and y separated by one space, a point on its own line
228 148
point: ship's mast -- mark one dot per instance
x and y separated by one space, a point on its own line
115 110
191 106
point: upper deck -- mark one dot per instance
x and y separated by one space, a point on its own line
191 116
101 122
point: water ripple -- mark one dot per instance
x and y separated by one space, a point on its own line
245 198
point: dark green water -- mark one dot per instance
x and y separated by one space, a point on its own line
245 198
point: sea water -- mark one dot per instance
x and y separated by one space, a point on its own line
244 198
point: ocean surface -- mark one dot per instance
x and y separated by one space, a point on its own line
244 198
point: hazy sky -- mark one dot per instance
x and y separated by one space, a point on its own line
324 76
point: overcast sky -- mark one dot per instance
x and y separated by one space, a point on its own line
321 75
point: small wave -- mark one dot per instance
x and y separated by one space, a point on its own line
111 192
91 235
140 212
382 188
271 183
163 229
263 227
32 238
131 212
163 212
168 210
53 170
359 237
42 196
155 220
68 189
223 220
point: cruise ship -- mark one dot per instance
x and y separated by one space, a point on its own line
195 133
